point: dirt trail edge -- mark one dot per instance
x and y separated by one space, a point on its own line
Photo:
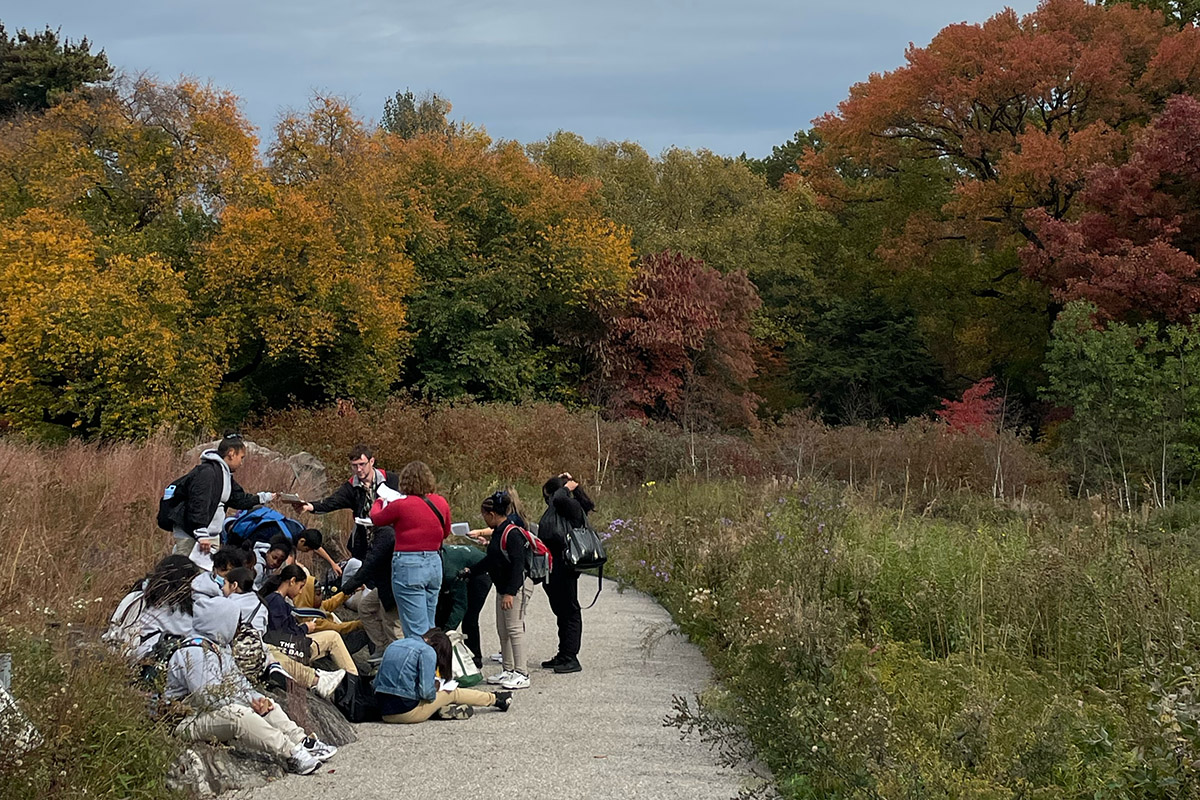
594 734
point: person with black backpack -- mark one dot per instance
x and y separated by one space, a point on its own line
508 549
567 507
194 506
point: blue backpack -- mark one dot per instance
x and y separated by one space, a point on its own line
260 525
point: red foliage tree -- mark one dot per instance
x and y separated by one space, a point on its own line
681 347
1021 106
1133 253
977 412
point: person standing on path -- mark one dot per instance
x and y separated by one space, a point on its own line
421 520
358 494
210 490
567 507
505 563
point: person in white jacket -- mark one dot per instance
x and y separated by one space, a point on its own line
224 706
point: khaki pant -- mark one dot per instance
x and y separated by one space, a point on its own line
381 625
510 625
273 732
329 643
308 599
183 547
467 697
304 675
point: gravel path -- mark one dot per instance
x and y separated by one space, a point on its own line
594 734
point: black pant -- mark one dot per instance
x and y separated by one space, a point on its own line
478 587
477 593
563 591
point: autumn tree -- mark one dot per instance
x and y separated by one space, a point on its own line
1179 12
1133 250
513 264
979 127
40 67
680 347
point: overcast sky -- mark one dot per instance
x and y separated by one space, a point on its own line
728 75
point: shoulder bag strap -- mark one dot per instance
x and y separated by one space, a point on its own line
429 503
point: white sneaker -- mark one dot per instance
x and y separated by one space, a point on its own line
500 678
515 680
303 762
328 682
320 751
498 658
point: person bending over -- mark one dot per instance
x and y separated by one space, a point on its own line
212 489
407 686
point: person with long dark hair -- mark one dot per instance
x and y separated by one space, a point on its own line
567 507
276 593
407 688
505 564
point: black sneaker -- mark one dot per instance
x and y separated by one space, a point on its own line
554 662
503 700
568 664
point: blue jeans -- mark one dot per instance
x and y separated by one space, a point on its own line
416 582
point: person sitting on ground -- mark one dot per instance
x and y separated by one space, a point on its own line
461 600
358 495
505 563
224 706
407 689
276 593
253 612
211 489
271 557
167 604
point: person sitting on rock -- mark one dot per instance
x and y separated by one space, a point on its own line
407 687
276 593
271 557
224 707
253 612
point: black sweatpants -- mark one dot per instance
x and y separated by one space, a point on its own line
477 593
563 591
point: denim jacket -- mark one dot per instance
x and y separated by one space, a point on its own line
407 670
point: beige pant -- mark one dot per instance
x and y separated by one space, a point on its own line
273 732
467 697
304 675
329 643
510 625
381 625
183 547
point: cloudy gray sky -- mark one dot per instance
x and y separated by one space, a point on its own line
728 75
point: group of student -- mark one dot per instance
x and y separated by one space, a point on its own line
216 623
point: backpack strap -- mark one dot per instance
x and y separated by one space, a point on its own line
504 537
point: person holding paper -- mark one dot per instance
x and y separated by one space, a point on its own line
358 494
212 489
413 683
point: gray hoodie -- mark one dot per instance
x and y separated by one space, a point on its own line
252 610
203 671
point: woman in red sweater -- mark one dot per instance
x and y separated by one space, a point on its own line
421 520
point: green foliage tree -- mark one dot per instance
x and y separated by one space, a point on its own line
1180 12
37 68
406 115
865 361
785 158
1134 397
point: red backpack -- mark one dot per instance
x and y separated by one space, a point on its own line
538 560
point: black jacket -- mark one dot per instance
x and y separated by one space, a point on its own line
563 513
506 565
376 569
356 497
204 495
